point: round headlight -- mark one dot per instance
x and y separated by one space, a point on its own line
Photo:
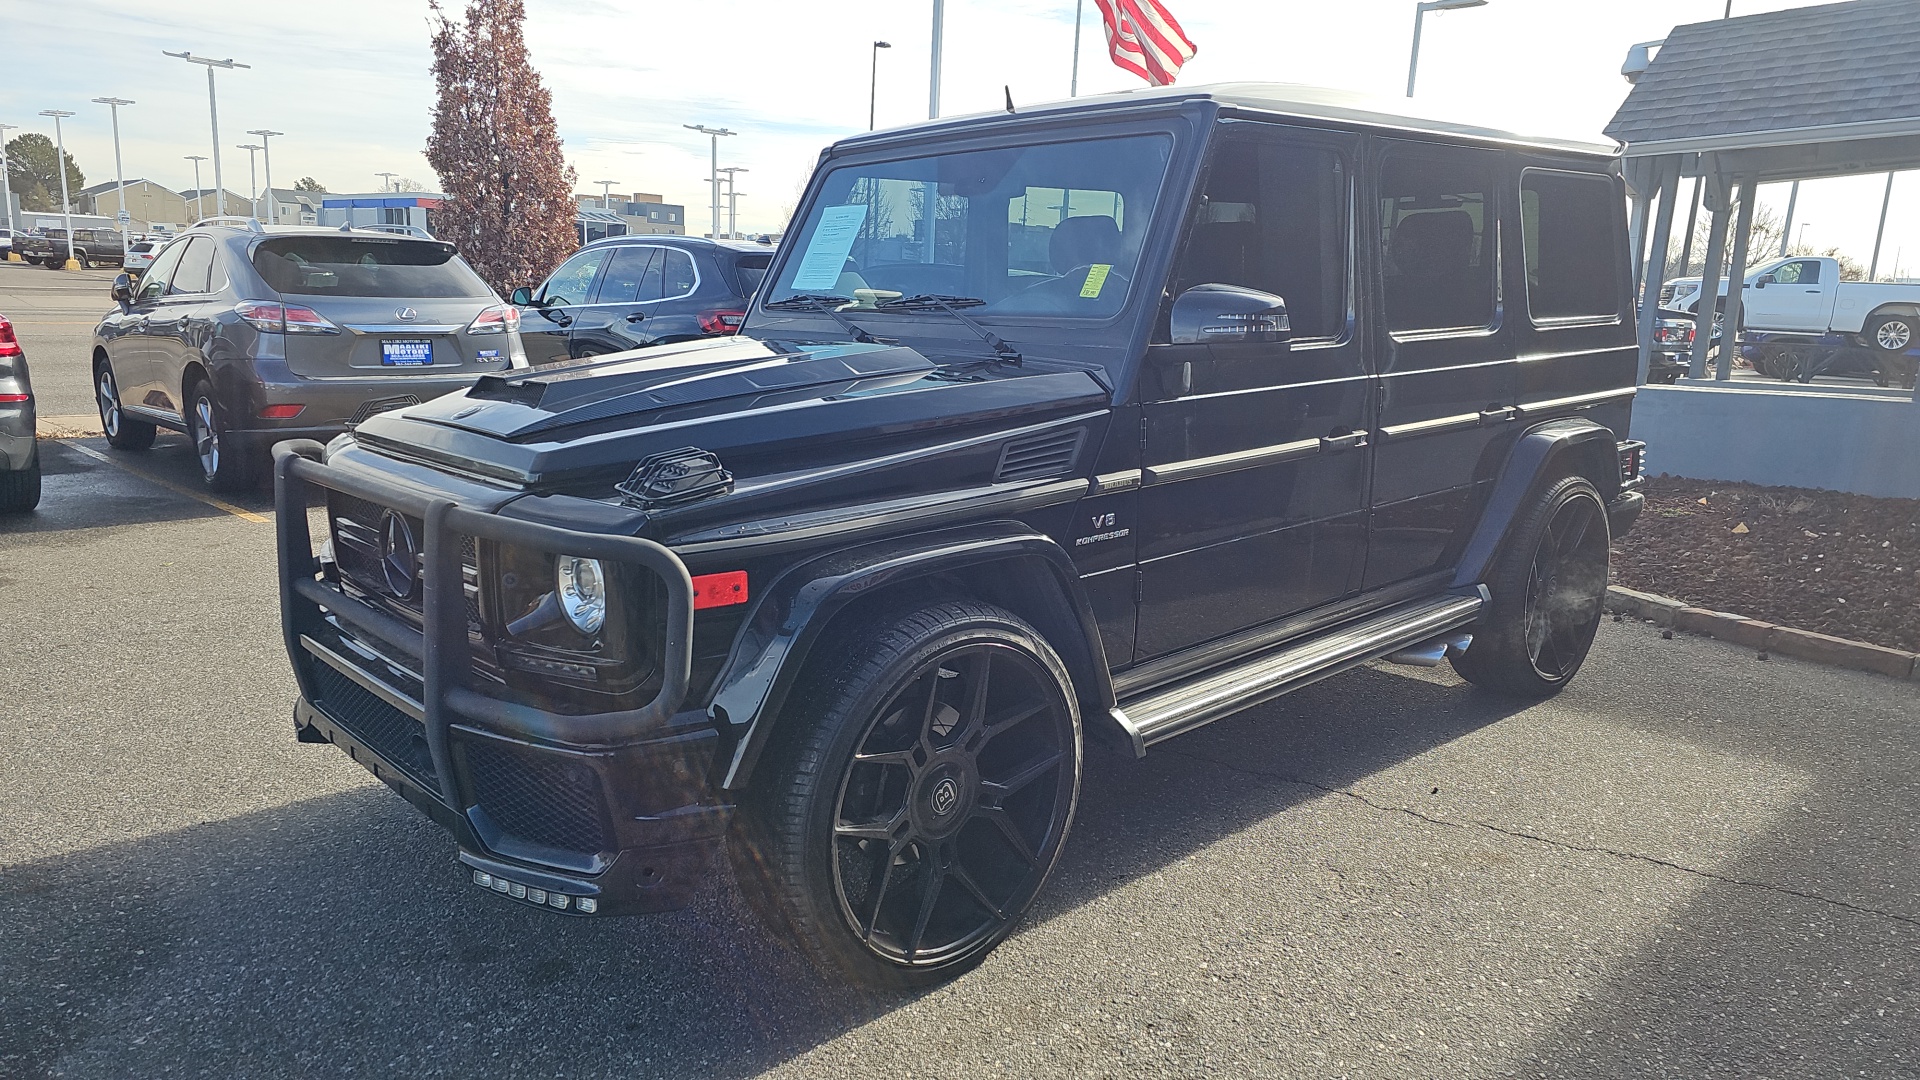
582 588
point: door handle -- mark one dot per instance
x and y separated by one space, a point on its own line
1497 414
636 316
1333 444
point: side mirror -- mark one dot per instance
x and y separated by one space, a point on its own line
522 297
1765 280
1229 314
123 288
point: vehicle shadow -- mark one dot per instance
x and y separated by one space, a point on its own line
335 935
80 491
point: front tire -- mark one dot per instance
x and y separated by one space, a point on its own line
1549 586
123 433
919 796
222 464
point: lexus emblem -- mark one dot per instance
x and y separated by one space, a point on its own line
946 795
406 314
399 555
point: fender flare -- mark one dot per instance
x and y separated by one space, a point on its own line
1534 454
774 641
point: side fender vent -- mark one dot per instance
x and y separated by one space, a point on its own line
1040 457
674 478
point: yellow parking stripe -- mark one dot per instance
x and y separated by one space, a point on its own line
197 496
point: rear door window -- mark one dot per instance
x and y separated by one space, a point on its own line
1567 224
195 269
379 266
1437 240
629 270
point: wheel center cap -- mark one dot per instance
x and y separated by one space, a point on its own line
944 799
945 796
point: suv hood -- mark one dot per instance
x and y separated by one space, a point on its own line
773 411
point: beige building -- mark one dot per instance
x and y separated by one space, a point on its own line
148 204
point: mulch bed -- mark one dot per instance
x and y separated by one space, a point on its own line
1846 565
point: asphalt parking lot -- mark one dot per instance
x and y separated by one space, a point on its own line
1692 864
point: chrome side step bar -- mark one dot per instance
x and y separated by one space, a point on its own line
1183 707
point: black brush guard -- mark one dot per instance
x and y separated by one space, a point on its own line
441 648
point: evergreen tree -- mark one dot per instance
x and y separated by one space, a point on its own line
35 178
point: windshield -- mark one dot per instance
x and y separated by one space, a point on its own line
1052 230
385 266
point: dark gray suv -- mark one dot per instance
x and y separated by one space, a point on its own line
241 335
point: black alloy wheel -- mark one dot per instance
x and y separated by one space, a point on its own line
929 797
122 432
1549 588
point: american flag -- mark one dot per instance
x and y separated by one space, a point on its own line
1144 39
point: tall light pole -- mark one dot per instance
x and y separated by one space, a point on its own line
1073 82
713 173
873 81
1419 15
606 186
253 183
733 201
119 174
60 166
213 117
933 78
266 161
386 180
199 193
6 188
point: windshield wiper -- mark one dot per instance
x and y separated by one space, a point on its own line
828 304
952 305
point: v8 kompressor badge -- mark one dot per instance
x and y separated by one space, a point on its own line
1103 525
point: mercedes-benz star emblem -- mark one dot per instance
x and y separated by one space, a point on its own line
399 555
946 795
406 314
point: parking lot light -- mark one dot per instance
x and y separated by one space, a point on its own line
60 166
266 162
119 174
213 115
1419 14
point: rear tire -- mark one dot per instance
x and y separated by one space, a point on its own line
123 433
918 796
20 488
1549 586
223 465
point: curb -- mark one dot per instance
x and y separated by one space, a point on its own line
1766 637
83 426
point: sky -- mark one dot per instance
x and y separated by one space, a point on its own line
348 82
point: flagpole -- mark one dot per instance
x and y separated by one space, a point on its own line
933 83
1073 87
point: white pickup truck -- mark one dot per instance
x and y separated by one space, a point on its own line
1804 295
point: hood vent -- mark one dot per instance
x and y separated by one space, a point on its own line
378 406
1040 457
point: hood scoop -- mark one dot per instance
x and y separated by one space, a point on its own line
540 400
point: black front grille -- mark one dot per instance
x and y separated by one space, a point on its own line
541 798
386 730
356 548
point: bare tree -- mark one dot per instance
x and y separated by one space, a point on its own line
1763 245
509 205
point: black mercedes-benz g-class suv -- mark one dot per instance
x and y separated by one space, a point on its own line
1102 420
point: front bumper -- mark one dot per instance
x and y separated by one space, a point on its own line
612 807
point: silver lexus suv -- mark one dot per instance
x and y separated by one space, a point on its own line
241 335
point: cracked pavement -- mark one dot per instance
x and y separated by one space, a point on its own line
1692 864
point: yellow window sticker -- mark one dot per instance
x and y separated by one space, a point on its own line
1096 279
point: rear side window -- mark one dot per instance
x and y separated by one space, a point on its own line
1436 222
383 266
1568 224
751 270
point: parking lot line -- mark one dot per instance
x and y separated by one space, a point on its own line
217 504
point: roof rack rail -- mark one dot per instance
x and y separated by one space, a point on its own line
251 224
